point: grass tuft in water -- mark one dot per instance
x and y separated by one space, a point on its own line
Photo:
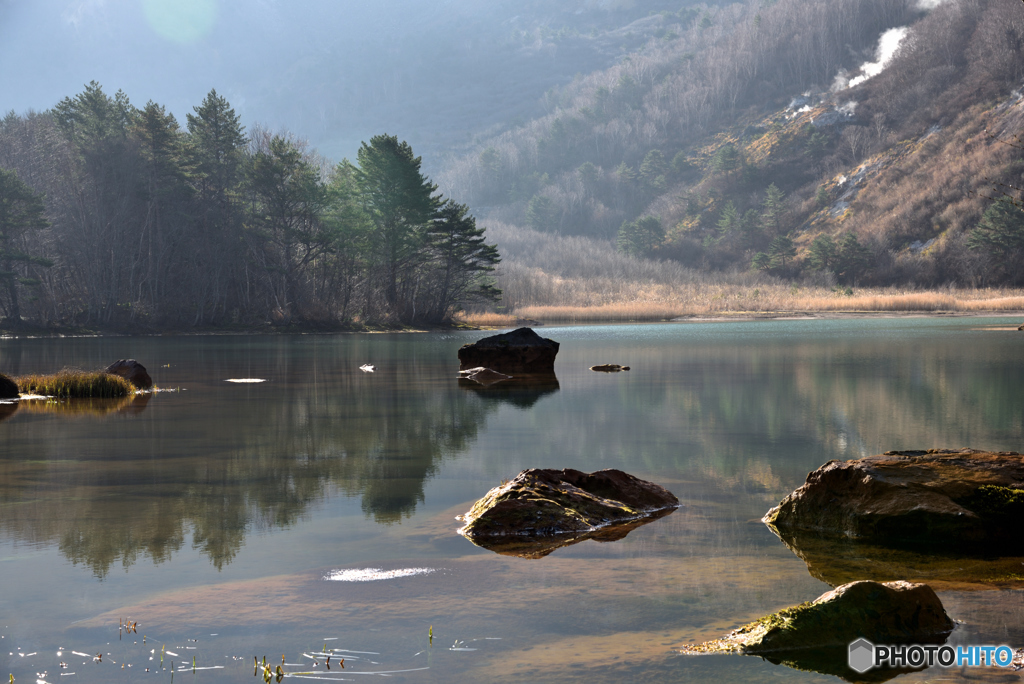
76 384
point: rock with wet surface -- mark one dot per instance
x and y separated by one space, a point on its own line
815 635
609 368
966 498
881 612
132 371
514 353
543 504
8 388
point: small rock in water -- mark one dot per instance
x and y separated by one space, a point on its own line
132 371
609 368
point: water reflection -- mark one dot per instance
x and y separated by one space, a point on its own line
115 492
522 392
539 547
837 562
742 417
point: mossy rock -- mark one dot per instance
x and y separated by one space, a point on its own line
966 498
543 504
811 635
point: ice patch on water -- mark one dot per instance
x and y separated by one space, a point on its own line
374 574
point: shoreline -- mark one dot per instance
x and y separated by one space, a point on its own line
470 323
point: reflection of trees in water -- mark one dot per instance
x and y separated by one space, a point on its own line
218 472
757 416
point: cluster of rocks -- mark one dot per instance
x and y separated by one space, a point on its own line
967 499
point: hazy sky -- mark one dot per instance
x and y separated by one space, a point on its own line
332 71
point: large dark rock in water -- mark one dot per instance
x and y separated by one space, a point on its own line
538 510
131 370
816 635
973 499
513 353
8 388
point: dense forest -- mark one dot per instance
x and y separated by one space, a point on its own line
859 142
114 216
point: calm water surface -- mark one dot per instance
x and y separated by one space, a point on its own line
212 514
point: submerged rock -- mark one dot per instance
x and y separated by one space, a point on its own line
816 635
609 368
938 497
8 388
132 371
517 352
483 376
542 506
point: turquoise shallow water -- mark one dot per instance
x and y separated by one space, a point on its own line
213 512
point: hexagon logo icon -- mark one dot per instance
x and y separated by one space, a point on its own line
861 656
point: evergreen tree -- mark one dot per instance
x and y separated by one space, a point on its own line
461 260
399 201
781 250
823 254
21 211
853 258
726 159
288 203
772 210
542 214
761 262
216 145
641 237
729 221
653 170
1000 235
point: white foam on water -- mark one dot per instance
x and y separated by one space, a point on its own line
374 574
246 380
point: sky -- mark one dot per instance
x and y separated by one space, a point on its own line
334 72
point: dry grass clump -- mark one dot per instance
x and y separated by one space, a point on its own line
76 384
487 319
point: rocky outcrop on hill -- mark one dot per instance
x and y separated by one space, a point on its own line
934 497
514 353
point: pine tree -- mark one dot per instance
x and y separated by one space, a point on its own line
823 254
772 210
1000 234
781 250
461 261
399 201
853 258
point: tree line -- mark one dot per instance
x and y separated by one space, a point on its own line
116 216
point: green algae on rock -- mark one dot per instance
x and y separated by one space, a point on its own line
966 498
814 635
532 515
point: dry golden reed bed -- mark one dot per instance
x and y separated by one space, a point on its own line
76 384
761 301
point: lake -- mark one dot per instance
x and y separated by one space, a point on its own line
213 513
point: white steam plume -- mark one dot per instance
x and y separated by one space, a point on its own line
887 46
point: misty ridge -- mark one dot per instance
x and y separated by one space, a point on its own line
689 149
